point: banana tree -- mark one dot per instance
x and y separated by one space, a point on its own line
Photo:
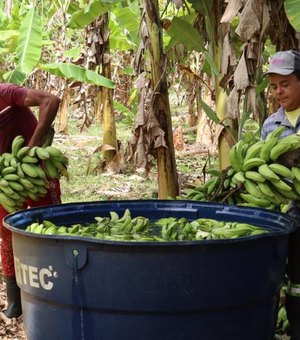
156 114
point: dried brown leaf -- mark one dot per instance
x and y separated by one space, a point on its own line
241 78
249 23
231 10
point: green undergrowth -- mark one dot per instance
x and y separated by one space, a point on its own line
87 182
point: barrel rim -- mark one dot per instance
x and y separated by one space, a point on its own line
283 220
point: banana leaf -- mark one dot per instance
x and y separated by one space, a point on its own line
74 72
15 77
8 34
85 16
29 42
183 32
209 112
292 10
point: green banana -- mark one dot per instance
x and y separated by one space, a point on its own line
251 188
289 194
13 162
113 216
42 153
26 183
32 151
236 157
255 176
30 159
5 200
253 151
50 170
281 170
199 196
33 196
6 189
29 170
16 185
252 163
296 173
266 172
41 173
260 202
22 152
266 149
281 185
265 189
215 182
37 181
276 133
296 186
53 152
278 197
16 145
20 172
11 177
8 170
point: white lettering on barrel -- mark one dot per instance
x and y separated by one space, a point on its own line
23 269
33 276
45 274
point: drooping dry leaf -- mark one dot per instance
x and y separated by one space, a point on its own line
249 23
229 60
233 104
241 78
231 10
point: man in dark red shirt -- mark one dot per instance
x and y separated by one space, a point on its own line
16 118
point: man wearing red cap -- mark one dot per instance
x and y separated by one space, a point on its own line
284 79
16 118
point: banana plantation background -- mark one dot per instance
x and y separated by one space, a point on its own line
120 60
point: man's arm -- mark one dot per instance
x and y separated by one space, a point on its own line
48 107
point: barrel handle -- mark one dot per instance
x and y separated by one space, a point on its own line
75 255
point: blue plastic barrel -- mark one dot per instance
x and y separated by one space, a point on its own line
88 289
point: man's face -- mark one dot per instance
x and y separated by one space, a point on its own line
286 90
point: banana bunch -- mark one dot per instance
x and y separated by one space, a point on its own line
264 181
220 187
24 173
256 177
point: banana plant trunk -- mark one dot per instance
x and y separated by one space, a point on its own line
160 106
110 143
229 130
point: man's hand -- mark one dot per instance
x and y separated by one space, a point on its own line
290 158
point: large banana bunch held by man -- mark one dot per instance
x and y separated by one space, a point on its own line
24 172
256 176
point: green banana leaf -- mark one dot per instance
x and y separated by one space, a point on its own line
209 112
30 42
85 16
292 9
129 18
129 116
72 53
28 51
183 32
78 73
8 34
15 77
118 40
